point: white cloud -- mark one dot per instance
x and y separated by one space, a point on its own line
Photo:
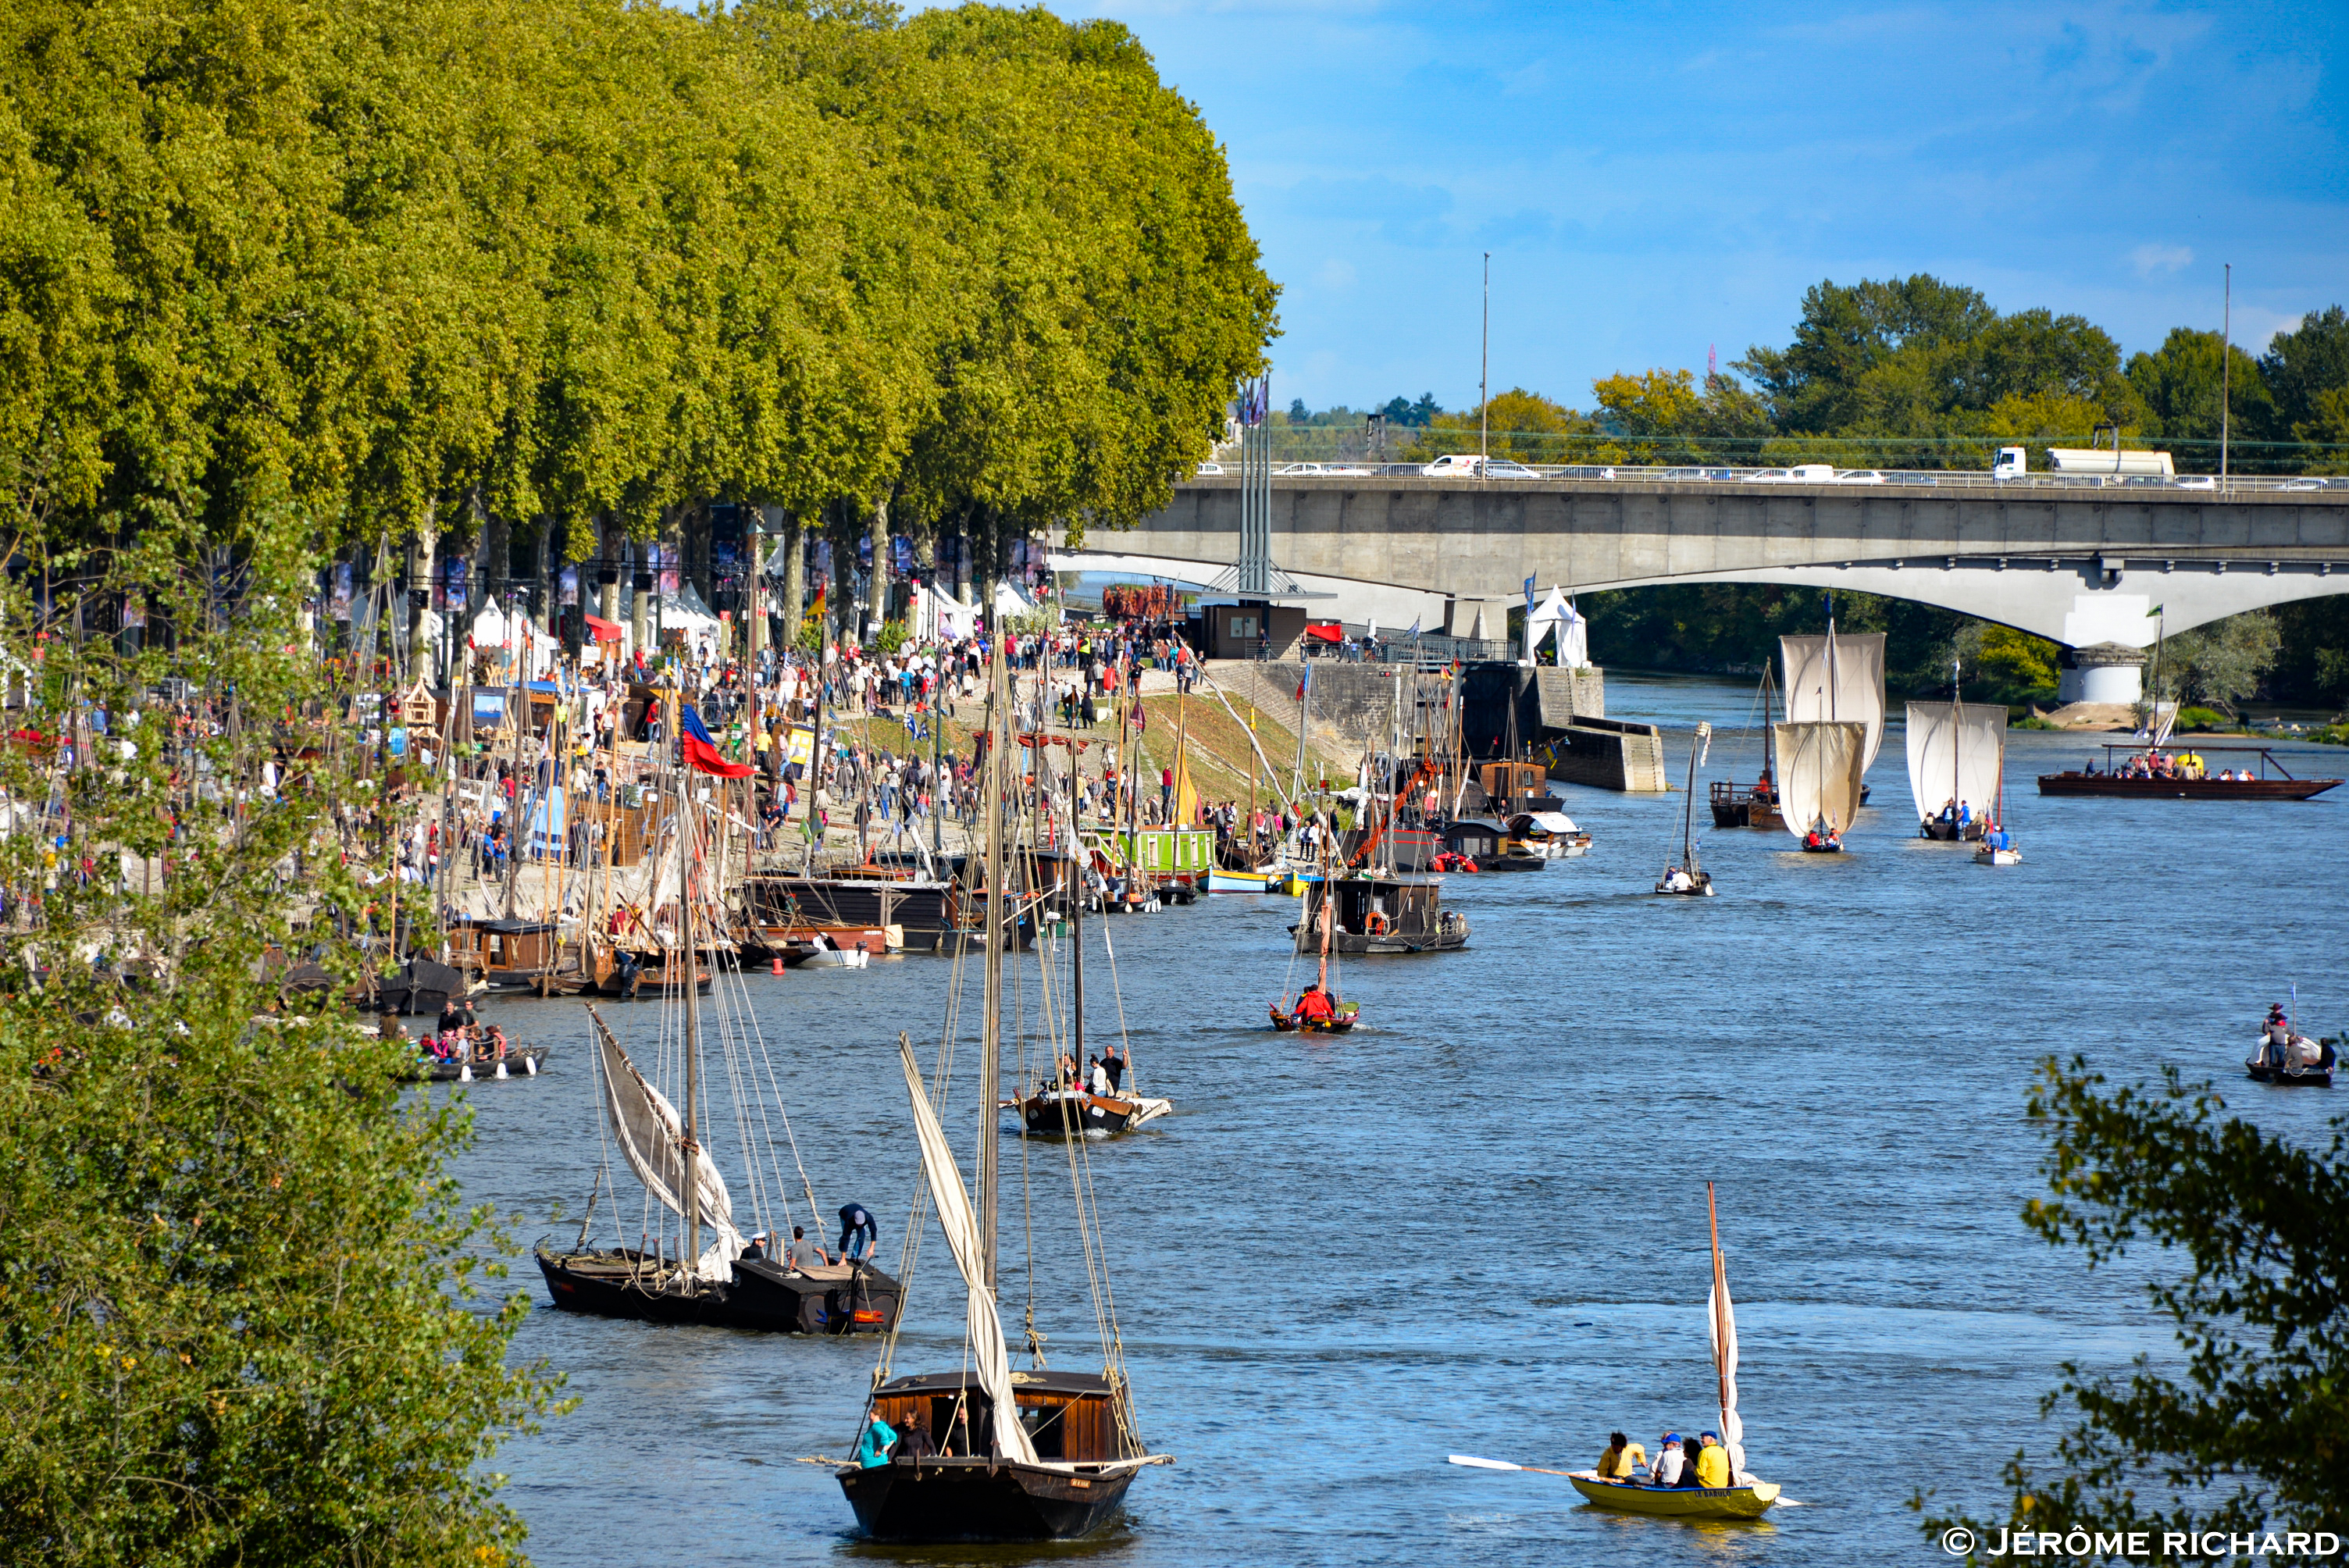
2154 261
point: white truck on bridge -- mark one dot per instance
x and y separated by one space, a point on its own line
2010 463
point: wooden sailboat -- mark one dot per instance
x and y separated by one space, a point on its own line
1746 1496
1037 1454
1821 794
1957 758
1341 1016
725 1284
1837 678
1686 878
1757 808
1062 1108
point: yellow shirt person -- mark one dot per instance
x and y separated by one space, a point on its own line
1621 1460
1712 1466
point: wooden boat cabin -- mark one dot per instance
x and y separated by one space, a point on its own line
1512 787
508 953
924 912
1071 1417
1382 915
1550 835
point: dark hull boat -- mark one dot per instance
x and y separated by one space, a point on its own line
1379 916
1343 1024
980 1499
1063 1113
763 1296
527 1062
2274 782
1084 1462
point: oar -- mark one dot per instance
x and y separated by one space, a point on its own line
1474 1463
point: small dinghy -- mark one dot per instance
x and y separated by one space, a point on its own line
827 956
1687 879
1745 1496
2301 1063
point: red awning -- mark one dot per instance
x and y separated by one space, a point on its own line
605 631
1327 632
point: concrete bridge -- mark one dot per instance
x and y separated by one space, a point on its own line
2080 564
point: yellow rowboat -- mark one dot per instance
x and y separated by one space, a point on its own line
1676 1502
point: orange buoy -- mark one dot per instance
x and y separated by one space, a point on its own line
776 968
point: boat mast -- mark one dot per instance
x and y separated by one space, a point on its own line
1688 808
1957 733
1720 1315
990 1061
692 1009
1076 901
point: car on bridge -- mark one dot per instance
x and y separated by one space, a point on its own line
1468 465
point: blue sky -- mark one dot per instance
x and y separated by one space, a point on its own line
1655 179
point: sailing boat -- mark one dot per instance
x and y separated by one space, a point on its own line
1687 878
1834 679
1820 793
1062 1107
1745 1496
727 1285
1033 1455
1341 1016
1757 807
1957 755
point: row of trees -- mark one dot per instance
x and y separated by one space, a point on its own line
383 266
1917 373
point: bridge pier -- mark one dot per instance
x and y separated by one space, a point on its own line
2102 672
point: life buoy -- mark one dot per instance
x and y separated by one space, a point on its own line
1376 925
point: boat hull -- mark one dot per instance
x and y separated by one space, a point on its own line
2106 784
976 1499
1948 833
1244 882
1353 944
1348 1015
527 1062
2306 1077
1060 1114
1677 1502
763 1296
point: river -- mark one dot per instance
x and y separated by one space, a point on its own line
1478 1223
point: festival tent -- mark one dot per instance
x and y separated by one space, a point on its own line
1555 617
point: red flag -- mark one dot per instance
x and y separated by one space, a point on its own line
703 754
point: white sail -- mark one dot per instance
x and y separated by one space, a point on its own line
1819 767
652 1140
1853 691
983 1328
1722 1321
1957 751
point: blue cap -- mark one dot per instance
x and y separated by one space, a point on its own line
1714 1436
1672 1437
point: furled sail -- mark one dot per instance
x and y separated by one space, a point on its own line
1852 690
1957 751
983 1329
1819 767
1723 1321
652 1140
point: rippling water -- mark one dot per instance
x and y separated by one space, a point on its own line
1478 1223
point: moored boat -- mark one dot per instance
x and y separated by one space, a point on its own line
1382 915
2177 773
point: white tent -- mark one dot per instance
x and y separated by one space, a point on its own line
938 614
1555 617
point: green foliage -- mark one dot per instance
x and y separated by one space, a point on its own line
395 263
238 1314
2180 384
2307 369
2222 664
2202 718
2243 1431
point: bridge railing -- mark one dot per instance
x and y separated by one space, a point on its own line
1938 479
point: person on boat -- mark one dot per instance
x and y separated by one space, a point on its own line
1965 816
1113 1064
1666 1470
804 1253
858 1232
873 1448
2278 1028
1763 789
915 1444
498 1046
1690 1475
1623 1459
1313 1006
1712 1462
1950 811
1096 1076
757 1250
1814 840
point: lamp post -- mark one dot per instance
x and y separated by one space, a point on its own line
1484 377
